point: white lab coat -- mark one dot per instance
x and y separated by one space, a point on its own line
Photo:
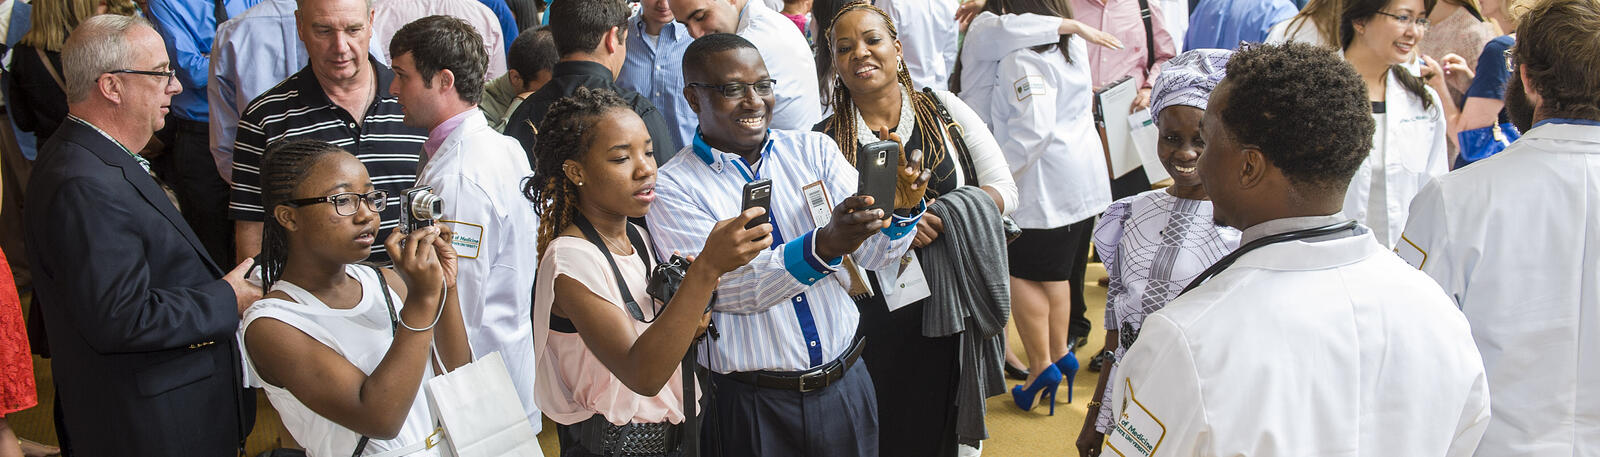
1413 150
1325 348
928 38
1039 106
478 173
1515 240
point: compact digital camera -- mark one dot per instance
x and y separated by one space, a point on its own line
419 207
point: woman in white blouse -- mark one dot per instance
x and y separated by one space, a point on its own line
874 98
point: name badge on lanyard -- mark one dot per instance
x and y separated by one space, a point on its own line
817 201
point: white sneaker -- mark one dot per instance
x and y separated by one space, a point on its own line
963 450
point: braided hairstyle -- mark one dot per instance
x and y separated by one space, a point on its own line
564 135
283 168
843 123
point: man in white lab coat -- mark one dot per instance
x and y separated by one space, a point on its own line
1324 344
478 173
1515 240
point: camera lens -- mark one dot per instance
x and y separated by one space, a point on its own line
426 206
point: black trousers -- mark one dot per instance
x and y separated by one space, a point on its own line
840 420
188 168
915 378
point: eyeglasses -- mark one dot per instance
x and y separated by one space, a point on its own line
737 89
163 73
1406 19
344 203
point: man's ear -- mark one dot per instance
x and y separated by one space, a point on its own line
1528 90
613 40
515 79
573 170
693 97
1252 168
110 87
446 79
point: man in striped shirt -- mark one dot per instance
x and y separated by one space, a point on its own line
340 97
787 381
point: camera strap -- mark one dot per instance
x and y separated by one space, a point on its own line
639 249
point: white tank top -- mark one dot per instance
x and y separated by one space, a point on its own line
362 335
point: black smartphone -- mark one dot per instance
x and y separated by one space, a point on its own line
758 193
878 164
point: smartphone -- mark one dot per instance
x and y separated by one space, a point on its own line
878 165
758 193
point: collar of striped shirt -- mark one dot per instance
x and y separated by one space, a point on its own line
311 93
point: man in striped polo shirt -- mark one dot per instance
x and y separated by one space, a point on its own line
340 97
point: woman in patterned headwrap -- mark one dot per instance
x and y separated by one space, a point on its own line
1155 242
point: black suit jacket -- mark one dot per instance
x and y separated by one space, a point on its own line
140 325
565 79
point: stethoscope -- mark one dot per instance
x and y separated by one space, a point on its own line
1262 242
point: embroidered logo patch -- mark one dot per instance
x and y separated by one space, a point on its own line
1136 432
468 239
1029 86
1410 252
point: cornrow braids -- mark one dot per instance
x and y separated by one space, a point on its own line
843 123
283 167
563 135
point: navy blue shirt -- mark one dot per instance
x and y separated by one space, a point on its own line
1493 72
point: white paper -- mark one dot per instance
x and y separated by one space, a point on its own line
906 287
1114 103
1145 135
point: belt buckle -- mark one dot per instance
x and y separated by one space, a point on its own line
434 438
813 381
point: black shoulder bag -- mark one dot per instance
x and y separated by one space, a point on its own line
958 138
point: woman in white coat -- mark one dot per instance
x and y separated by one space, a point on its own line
1038 103
1408 144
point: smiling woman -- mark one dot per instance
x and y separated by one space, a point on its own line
919 379
1409 146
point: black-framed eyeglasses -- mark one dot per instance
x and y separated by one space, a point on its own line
737 89
1406 19
169 73
344 203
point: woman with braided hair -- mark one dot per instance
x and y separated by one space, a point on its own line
916 376
607 360
343 349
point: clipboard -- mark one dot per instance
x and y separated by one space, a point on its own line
1111 118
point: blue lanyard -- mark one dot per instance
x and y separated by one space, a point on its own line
1587 122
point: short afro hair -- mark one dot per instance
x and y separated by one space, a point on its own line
1305 108
698 56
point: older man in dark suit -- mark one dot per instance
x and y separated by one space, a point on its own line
141 322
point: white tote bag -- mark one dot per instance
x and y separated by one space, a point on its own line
480 412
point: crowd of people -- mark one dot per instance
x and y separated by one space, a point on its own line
802 228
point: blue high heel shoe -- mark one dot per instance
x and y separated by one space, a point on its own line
1068 366
1048 381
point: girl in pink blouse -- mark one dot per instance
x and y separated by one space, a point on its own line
603 359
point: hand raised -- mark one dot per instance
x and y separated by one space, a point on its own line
912 182
730 245
851 224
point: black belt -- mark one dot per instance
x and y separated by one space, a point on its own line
600 437
803 381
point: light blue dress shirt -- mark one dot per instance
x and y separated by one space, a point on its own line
187 27
654 69
1222 24
784 311
253 52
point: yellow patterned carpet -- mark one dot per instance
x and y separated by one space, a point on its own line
1013 432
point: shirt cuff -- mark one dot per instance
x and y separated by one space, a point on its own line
900 226
800 259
